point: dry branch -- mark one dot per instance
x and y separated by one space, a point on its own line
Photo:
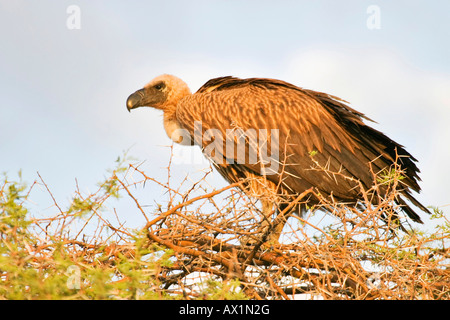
204 236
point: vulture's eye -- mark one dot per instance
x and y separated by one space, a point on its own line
159 86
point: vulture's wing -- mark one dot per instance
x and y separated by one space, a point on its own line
305 138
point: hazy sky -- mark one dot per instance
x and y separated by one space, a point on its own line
63 90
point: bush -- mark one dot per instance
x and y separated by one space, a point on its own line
192 247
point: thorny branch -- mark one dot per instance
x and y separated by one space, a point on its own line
351 254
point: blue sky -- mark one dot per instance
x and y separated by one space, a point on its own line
63 91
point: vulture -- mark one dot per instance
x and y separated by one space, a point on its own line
280 141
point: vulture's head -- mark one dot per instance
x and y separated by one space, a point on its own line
162 92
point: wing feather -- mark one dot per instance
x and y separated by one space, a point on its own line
315 129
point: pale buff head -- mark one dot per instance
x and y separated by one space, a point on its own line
162 92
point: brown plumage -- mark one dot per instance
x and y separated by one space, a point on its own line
313 129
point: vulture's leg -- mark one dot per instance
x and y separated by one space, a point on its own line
266 224
265 232
271 228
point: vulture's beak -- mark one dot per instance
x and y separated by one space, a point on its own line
135 100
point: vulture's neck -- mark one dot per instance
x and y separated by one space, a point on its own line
173 127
